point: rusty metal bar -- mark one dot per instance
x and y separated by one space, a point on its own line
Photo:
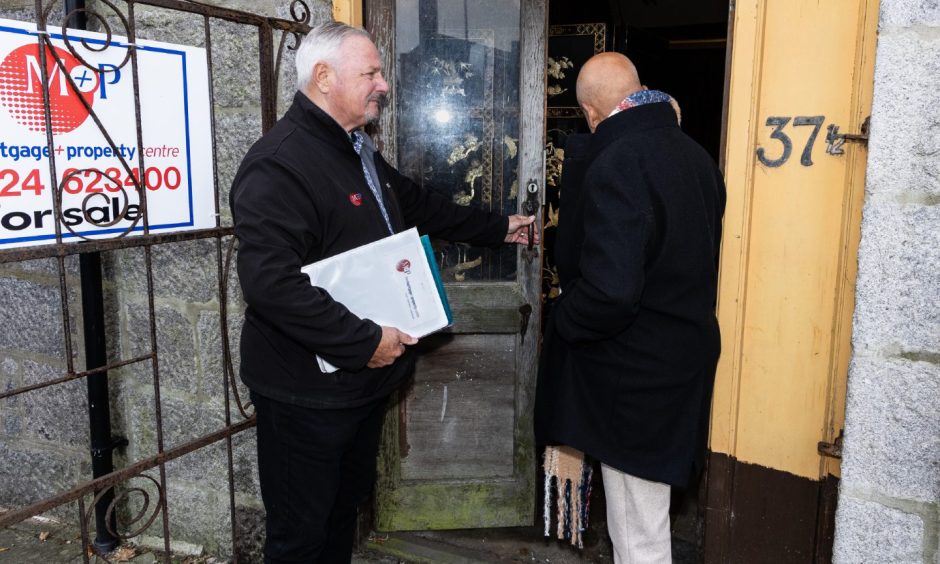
207 10
41 12
67 249
84 529
227 366
74 376
15 516
235 16
268 94
148 262
223 304
141 183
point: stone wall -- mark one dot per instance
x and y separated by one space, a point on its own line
44 434
889 504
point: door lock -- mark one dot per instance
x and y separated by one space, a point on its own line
531 206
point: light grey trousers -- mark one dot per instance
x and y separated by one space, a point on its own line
637 518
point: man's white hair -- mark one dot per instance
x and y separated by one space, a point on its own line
322 45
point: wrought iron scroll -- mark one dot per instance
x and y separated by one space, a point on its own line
151 470
45 45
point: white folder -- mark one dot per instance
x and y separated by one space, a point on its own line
393 281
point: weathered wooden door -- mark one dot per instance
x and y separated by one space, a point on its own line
467 119
801 78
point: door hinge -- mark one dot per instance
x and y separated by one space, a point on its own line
835 140
525 311
833 449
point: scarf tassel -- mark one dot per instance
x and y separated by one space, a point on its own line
568 480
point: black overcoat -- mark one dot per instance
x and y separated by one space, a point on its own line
631 346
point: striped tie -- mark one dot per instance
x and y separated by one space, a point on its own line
368 169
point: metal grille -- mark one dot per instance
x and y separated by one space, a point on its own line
273 37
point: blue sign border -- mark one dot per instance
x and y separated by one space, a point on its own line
189 175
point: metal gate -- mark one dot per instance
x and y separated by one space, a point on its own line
145 479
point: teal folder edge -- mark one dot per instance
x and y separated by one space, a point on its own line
436 271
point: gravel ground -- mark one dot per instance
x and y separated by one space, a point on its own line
47 542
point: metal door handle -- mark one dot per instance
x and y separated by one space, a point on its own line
531 206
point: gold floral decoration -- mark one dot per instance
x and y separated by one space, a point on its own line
475 171
554 158
556 70
512 146
550 274
452 75
463 150
551 219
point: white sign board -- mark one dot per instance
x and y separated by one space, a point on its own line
99 198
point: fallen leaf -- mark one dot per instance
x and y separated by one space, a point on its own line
4 548
123 554
43 536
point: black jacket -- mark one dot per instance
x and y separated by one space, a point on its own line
632 343
299 196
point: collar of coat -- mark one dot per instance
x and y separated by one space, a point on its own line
319 123
635 120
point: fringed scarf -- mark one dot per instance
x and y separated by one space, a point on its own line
572 473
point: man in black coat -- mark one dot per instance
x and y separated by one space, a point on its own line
312 187
631 347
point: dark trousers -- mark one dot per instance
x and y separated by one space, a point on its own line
316 466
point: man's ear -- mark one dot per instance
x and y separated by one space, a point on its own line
591 115
322 77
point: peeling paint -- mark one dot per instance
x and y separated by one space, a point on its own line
444 404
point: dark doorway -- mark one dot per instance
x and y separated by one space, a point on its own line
678 46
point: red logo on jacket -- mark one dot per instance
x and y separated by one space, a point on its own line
356 199
404 265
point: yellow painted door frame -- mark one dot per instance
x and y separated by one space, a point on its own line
760 91
801 74
348 12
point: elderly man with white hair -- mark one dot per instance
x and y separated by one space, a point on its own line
310 188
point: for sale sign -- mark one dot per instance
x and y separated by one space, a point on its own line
99 182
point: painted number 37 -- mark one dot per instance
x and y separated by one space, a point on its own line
778 123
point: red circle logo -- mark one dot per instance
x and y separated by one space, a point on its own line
404 265
21 89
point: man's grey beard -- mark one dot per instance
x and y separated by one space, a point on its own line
382 101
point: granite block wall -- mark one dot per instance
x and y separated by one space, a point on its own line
889 503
